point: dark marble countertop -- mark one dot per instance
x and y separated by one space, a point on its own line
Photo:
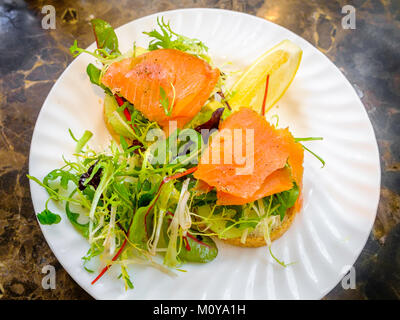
32 59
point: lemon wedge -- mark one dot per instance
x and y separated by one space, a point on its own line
280 63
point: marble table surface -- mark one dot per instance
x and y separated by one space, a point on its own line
32 58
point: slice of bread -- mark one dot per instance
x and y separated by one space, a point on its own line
256 239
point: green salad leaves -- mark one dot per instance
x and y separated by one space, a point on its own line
122 206
48 217
105 36
168 39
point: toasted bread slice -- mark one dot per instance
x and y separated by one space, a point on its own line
256 239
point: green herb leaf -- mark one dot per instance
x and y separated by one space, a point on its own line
65 177
305 148
168 39
123 143
94 74
308 139
146 185
100 54
72 135
165 102
47 217
73 218
139 228
83 140
74 49
202 249
284 201
88 270
243 224
129 283
105 36
125 276
315 155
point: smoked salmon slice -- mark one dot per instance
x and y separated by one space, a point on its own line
296 155
267 155
203 187
278 181
188 82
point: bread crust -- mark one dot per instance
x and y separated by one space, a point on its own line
259 241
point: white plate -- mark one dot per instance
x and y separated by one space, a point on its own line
340 200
